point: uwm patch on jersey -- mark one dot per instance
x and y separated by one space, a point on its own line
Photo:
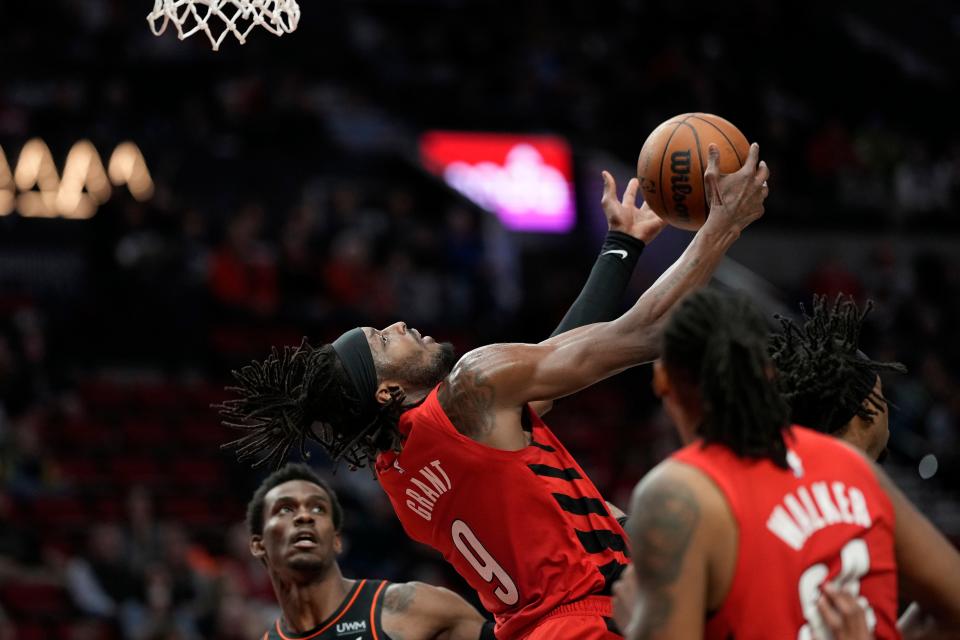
357 617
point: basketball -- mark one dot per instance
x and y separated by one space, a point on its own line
673 159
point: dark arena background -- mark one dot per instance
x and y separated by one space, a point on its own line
167 213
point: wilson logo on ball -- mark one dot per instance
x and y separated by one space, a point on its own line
680 182
674 158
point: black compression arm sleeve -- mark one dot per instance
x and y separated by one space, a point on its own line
487 632
601 296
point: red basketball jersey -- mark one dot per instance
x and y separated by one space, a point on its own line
824 519
527 529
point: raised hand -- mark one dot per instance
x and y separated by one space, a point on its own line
624 215
736 199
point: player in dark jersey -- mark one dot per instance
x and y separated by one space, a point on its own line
294 519
467 463
735 535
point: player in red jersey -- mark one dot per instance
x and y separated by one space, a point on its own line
736 534
835 388
470 468
829 383
294 519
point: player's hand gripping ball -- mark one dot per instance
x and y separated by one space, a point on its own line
674 158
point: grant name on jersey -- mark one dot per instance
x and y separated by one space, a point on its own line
425 488
807 510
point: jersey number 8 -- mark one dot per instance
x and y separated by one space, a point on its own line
483 563
854 564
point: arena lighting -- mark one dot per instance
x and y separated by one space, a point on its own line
82 189
128 167
527 181
7 187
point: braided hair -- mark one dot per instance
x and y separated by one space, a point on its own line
718 343
303 393
823 375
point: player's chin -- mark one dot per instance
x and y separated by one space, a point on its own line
305 561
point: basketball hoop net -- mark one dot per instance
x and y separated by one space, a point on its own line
217 18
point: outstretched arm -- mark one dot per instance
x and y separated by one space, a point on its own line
493 381
418 611
630 229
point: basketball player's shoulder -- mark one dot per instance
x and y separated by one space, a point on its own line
415 609
398 596
682 493
414 598
466 396
824 444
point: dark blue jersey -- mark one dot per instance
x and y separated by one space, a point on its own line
357 617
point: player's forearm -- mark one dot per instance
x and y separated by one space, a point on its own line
464 629
601 294
600 298
691 271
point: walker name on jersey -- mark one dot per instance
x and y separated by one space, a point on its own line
425 490
807 510
350 628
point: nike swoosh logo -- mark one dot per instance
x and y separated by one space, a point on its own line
619 252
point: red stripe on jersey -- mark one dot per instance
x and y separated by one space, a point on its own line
373 610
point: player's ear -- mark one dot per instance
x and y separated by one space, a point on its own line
257 550
389 390
661 383
337 544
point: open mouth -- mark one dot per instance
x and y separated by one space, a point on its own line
304 540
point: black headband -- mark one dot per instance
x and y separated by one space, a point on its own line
354 352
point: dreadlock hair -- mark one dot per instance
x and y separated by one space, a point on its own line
823 375
289 473
718 343
301 393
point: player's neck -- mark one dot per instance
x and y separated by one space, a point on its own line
415 397
306 604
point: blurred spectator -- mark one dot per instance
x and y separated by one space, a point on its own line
7 630
27 467
245 574
832 277
100 581
299 267
830 150
351 278
143 541
243 273
923 184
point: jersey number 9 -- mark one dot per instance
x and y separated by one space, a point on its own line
483 563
